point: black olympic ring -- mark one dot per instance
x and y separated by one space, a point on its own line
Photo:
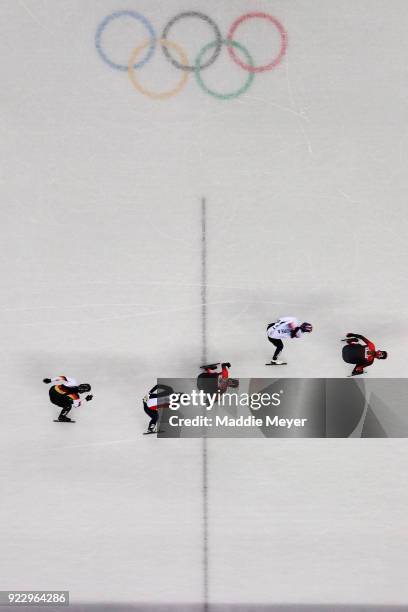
217 42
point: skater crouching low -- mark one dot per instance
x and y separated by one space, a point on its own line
65 393
158 397
361 352
285 327
214 380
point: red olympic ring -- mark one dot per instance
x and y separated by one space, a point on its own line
276 60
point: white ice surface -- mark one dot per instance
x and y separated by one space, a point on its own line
305 181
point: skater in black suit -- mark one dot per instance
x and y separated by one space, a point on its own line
65 393
158 397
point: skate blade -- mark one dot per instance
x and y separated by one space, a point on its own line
276 364
211 366
57 421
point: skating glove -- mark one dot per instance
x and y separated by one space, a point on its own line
88 398
46 380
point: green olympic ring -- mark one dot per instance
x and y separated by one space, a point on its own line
216 94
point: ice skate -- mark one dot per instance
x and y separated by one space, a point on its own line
63 419
150 430
276 362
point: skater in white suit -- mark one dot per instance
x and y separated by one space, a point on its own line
285 327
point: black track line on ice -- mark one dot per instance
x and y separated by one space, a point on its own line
204 360
203 281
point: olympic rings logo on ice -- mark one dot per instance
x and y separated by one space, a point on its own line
178 57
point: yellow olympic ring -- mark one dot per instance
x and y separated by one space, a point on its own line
152 94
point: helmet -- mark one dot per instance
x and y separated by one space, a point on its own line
84 388
67 381
381 354
306 328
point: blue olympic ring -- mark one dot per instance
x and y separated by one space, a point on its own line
138 17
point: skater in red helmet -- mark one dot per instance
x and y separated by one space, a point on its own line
361 352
